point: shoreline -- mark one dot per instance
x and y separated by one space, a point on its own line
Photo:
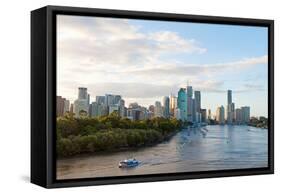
168 138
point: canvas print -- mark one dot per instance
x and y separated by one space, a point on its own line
140 97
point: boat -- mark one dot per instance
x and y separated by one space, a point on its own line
129 163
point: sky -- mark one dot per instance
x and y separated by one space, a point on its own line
144 60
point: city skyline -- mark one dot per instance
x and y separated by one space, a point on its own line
146 60
179 107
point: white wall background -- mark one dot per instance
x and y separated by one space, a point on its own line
15 94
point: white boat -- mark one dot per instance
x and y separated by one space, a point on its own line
129 163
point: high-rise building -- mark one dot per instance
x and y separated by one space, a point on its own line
71 110
121 105
60 106
158 109
66 107
100 99
197 97
203 115
173 105
245 114
94 109
190 111
117 98
109 99
82 93
220 115
182 103
166 106
209 114
238 116
113 108
177 113
81 105
230 108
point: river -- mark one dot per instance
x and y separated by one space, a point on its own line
214 147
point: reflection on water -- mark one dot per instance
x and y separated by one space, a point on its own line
210 148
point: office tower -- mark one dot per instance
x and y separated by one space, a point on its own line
60 106
203 115
195 115
117 98
66 106
121 105
182 103
166 106
134 105
94 109
100 99
158 109
81 105
177 113
82 93
230 108
109 99
197 97
220 115
173 105
113 108
238 116
245 114
71 110
209 114
102 110
190 111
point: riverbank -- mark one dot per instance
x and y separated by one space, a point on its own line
111 133
224 147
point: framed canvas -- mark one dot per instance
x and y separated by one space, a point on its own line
128 96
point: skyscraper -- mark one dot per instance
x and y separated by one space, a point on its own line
238 116
60 106
182 103
230 108
220 115
166 106
158 109
82 93
245 114
100 99
66 106
197 97
209 114
203 115
173 105
189 93
81 105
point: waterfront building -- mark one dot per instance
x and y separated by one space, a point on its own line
209 114
113 108
230 108
197 97
82 93
220 115
238 116
121 105
190 110
60 106
158 109
66 107
245 114
173 105
182 103
166 106
81 105
94 110
100 99
178 114
203 115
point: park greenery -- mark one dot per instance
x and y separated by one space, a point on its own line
110 133
261 122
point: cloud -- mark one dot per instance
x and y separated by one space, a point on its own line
115 43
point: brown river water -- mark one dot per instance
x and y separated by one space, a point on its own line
214 147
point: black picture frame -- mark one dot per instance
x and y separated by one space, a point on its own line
43 95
